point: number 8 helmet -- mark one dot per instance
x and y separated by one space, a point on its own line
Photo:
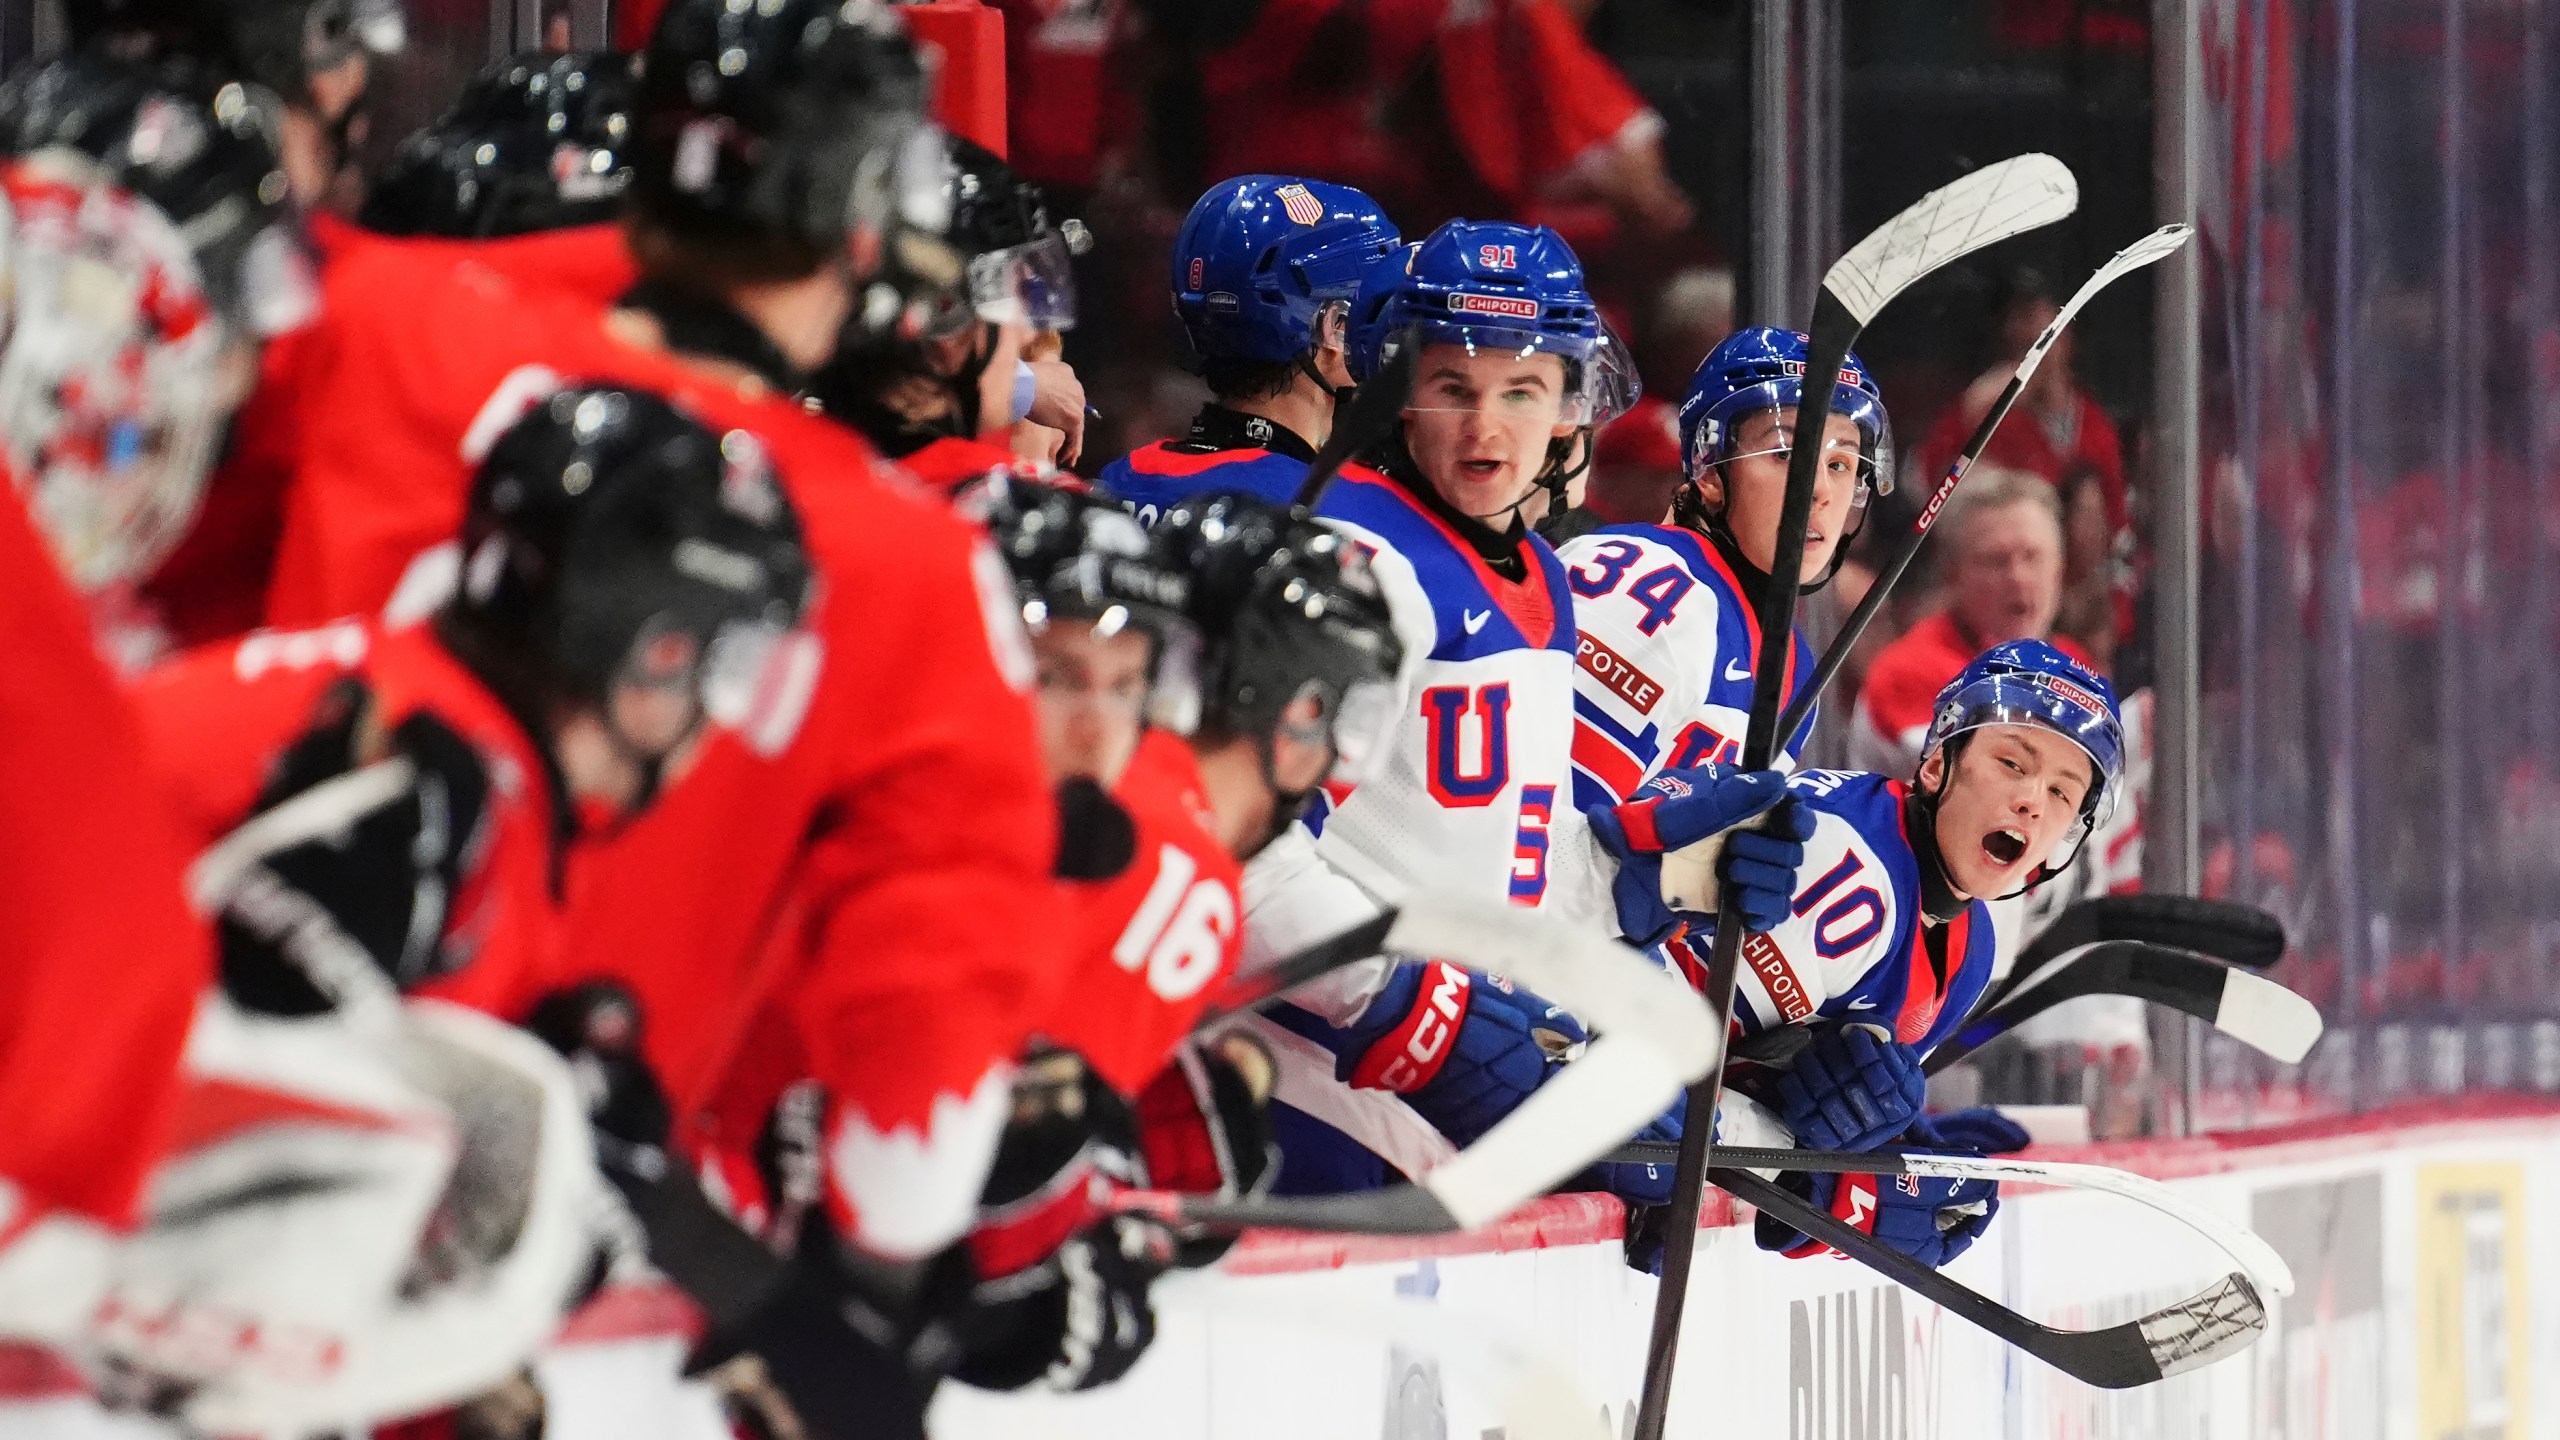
2028 682
1260 257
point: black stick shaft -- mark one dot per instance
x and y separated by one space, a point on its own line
1833 329
1800 708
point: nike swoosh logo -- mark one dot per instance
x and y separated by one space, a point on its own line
1733 671
1477 620
1861 1005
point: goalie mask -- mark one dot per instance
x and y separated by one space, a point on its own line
148 247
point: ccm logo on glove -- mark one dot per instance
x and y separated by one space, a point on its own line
1406 1058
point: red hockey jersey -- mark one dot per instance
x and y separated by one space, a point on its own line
103 963
874 890
1151 942
216 721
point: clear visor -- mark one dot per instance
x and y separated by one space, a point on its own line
1550 380
1985 716
1865 463
757 680
1032 284
1362 725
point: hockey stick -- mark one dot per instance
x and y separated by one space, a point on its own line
2220 1321
1655 1037
2157 245
2226 930
1991 204
1244 993
2265 1269
1372 416
2251 1009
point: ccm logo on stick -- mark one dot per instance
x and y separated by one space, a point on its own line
1405 1058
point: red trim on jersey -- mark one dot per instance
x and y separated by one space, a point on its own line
1750 620
1527 601
1606 760
1159 459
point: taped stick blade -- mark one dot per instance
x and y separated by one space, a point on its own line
2194 1333
1985 207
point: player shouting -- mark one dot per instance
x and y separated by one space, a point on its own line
1264 641
1888 944
1265 269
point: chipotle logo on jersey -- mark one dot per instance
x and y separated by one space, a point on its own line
1513 307
1614 671
1777 977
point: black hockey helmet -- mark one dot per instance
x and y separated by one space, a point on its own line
1078 558
613 540
536 142
797 121
1018 257
200 148
1287 609
279 44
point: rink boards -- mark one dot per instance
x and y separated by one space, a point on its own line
2425 1244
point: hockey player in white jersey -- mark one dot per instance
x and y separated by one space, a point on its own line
1669 629
1474 794
1888 943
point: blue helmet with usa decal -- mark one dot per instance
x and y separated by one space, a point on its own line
1493 286
1260 257
2028 682
1762 368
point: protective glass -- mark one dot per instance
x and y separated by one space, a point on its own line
112 392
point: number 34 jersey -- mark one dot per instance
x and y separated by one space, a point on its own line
1857 946
1666 642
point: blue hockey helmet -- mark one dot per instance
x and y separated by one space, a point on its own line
2028 682
1762 368
1260 256
1490 285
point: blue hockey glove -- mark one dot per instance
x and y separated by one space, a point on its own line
1679 808
1851 1089
1931 1220
1463 1049
1641 1184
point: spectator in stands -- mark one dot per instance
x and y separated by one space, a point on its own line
2057 428
2000 548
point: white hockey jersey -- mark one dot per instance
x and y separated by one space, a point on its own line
1474 794
1665 646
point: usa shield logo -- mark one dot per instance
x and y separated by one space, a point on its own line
1299 204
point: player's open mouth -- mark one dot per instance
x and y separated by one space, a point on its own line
2005 847
1482 469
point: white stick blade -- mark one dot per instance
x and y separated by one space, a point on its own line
2266 1017
2265 1267
2159 245
1989 205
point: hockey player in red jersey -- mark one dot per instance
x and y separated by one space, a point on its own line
827 914
1266 645
635 577
976 388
